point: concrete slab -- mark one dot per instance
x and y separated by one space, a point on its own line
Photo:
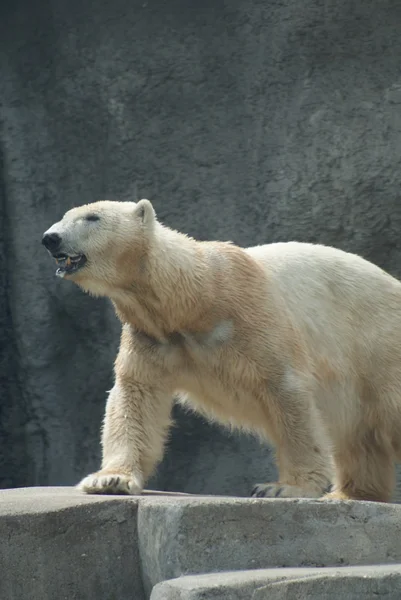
329 583
61 544
181 536
58 544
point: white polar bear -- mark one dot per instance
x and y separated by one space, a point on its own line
299 343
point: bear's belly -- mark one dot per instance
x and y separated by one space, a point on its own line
236 406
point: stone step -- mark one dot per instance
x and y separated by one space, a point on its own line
328 583
181 536
59 543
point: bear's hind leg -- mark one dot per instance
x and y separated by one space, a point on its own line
364 467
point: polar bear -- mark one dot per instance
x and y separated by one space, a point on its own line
296 342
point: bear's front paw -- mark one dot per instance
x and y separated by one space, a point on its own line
282 490
109 482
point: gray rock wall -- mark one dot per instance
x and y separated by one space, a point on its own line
255 121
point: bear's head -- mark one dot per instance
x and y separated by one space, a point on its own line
101 245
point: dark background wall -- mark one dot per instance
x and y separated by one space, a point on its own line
255 121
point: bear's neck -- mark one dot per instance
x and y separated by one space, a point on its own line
174 291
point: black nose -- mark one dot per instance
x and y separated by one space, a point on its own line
51 241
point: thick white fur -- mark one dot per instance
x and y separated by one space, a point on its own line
299 343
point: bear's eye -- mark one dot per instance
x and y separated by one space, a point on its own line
92 217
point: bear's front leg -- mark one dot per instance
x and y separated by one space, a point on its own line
135 428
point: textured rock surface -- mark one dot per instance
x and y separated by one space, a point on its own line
347 583
179 536
57 543
252 121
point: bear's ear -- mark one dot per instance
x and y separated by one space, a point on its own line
144 212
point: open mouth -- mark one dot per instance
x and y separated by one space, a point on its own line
69 264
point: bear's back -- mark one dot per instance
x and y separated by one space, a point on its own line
337 298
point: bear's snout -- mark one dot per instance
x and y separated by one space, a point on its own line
51 241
